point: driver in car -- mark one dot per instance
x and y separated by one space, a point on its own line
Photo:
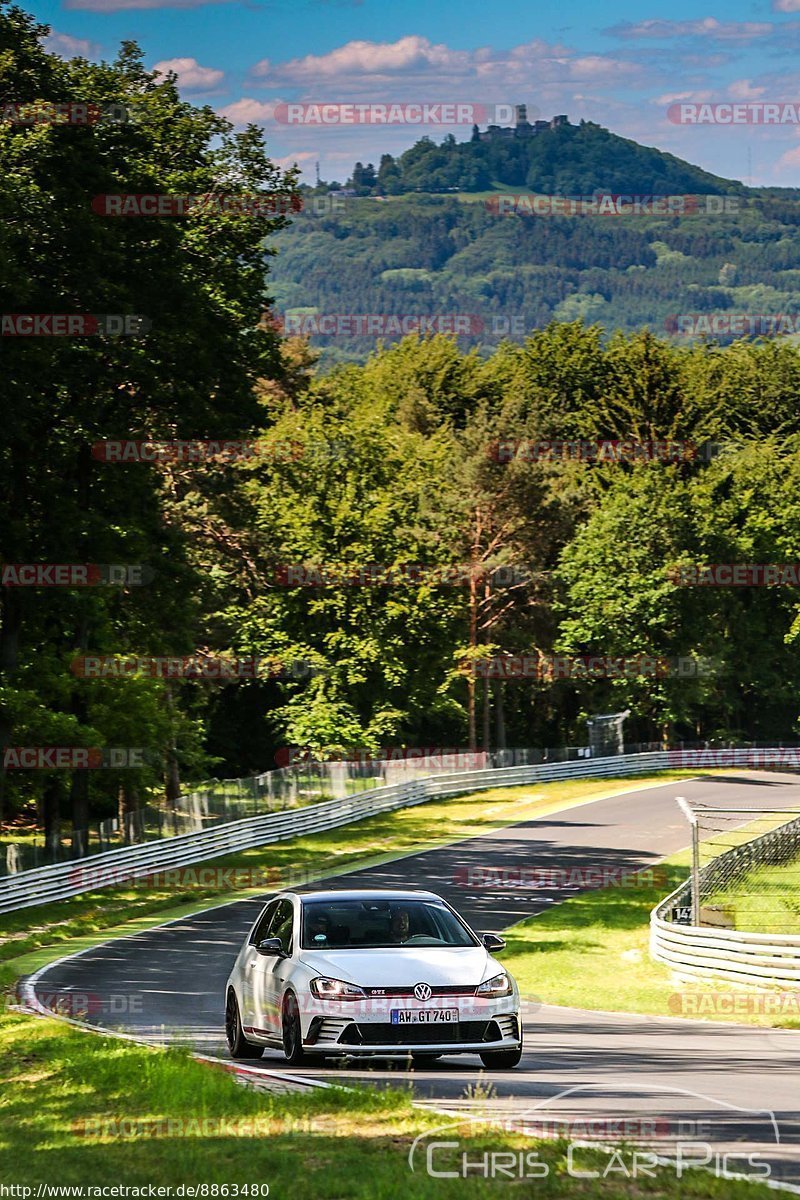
319 928
400 925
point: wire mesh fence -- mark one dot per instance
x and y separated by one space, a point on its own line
217 801
745 868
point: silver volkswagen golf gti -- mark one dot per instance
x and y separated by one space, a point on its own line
370 972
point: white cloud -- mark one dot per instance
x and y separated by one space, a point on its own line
413 68
743 89
695 97
120 5
786 5
191 76
788 161
365 59
303 158
734 31
70 47
595 68
247 111
740 89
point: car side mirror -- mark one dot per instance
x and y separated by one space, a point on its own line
492 942
271 947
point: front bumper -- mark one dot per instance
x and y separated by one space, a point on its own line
349 1035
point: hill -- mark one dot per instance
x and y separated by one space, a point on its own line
491 266
564 159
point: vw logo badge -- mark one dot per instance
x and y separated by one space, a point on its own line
423 991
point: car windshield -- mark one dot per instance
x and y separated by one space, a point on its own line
378 924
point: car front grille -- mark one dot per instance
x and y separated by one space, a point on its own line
384 1034
457 989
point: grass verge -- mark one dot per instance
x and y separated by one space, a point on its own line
592 952
766 900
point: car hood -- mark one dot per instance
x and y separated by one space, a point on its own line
403 967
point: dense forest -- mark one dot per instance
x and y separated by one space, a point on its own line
511 273
373 534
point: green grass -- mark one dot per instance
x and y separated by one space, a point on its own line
592 952
271 867
766 900
82 1109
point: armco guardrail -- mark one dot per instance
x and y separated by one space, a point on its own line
58 882
709 953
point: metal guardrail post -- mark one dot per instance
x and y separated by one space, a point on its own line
691 817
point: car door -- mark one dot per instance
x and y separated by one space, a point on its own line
272 973
251 966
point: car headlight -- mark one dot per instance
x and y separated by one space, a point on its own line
335 989
499 985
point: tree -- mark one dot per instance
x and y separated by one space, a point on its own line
199 281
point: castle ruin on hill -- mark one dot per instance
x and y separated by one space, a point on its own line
523 128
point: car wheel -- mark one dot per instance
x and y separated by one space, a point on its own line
292 1032
234 1034
501 1060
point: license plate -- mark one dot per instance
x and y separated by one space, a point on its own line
424 1016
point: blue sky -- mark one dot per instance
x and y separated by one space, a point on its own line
621 64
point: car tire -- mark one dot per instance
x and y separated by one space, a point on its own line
501 1060
238 1044
292 1031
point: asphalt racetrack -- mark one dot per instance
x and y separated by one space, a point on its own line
716 1088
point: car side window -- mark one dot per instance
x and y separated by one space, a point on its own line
262 925
281 927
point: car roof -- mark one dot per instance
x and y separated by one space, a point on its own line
366 894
